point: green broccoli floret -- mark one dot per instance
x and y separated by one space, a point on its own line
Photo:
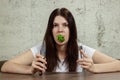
60 38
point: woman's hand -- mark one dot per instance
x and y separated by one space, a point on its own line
38 65
86 62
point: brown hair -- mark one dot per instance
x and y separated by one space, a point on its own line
72 46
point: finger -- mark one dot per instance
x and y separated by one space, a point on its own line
82 53
41 60
39 56
85 63
40 64
85 67
80 60
85 60
37 68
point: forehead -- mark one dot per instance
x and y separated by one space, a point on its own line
60 19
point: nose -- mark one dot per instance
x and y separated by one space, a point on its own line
60 29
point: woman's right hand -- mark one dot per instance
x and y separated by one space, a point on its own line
38 65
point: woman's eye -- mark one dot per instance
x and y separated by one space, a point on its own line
66 25
55 25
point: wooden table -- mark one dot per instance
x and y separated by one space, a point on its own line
62 76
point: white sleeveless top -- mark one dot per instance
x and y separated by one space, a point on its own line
62 67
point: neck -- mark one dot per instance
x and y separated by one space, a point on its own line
61 48
61 51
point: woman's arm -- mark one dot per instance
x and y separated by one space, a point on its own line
104 63
99 63
19 64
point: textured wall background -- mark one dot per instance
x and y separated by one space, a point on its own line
23 24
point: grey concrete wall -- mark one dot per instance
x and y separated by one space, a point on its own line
23 24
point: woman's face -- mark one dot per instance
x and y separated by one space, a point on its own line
60 26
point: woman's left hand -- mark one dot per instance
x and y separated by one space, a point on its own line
86 62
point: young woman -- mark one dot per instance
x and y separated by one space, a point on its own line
61 54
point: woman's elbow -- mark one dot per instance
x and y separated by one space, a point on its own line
5 66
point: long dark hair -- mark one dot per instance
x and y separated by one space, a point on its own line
72 46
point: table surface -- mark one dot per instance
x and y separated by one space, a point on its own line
62 76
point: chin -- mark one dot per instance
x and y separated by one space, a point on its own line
60 43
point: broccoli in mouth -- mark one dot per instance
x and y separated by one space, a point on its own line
60 38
